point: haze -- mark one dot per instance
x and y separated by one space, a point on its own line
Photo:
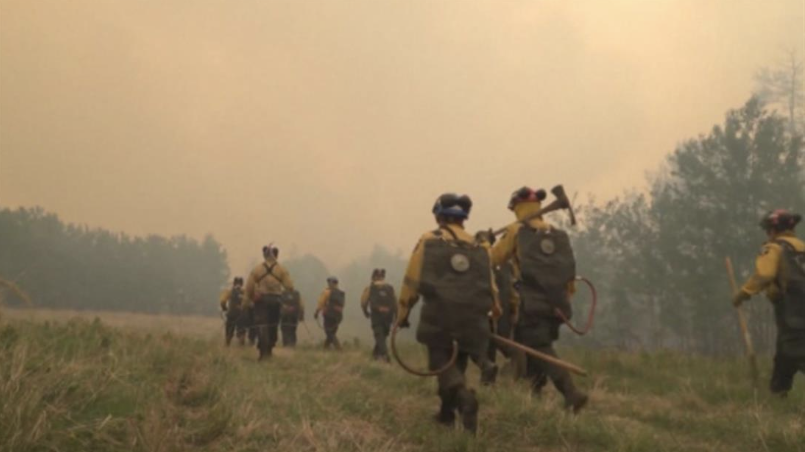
328 127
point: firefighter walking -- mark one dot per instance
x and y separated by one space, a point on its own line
452 272
264 288
292 312
331 306
379 304
233 303
545 268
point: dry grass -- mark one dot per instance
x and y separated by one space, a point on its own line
85 385
196 326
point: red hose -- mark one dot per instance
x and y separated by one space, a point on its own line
590 315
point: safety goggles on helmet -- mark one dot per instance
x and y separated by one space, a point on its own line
452 205
780 220
526 194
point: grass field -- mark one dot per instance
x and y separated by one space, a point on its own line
69 383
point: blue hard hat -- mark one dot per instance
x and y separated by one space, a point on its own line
452 205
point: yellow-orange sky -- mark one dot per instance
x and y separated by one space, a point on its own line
329 126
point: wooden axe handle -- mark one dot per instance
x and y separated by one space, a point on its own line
750 349
541 356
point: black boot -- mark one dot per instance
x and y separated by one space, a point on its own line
447 412
574 399
468 407
537 383
489 374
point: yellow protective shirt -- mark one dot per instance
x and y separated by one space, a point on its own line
261 283
767 265
324 299
409 294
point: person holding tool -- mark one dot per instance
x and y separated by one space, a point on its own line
545 267
780 272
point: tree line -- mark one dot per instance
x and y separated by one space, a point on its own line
658 255
70 266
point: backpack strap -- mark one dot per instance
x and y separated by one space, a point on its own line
450 231
785 245
269 272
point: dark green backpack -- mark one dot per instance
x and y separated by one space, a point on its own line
547 265
790 307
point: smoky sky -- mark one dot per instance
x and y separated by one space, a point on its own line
331 126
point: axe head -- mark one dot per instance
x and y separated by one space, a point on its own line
564 201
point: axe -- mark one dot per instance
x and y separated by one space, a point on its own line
561 202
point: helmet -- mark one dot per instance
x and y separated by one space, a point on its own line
271 250
526 194
237 280
452 205
332 280
780 220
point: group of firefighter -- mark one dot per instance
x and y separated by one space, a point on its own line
268 304
478 288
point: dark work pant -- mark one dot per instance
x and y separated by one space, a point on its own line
381 333
288 327
785 368
452 380
251 330
330 330
540 335
235 322
266 320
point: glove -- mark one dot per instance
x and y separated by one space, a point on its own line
403 323
316 315
739 298
366 314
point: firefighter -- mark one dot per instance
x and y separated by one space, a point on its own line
331 305
545 269
291 313
379 304
232 301
264 288
452 272
780 273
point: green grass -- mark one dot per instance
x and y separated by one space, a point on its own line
81 385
